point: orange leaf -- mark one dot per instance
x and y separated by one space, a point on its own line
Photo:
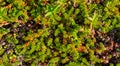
27 44
82 49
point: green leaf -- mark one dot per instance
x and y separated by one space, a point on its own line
3 12
48 14
42 57
5 57
57 42
57 9
3 31
54 60
49 41
74 64
84 60
58 18
33 48
77 11
11 39
57 31
71 11
23 51
65 60
1 50
60 27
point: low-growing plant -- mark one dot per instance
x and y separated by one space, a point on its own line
59 32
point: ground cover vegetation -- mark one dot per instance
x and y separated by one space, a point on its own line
59 33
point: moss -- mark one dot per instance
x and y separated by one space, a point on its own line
59 32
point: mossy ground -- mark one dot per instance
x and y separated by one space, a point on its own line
59 32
